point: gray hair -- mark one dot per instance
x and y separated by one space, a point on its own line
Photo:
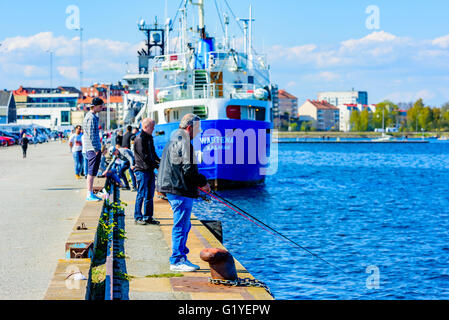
188 120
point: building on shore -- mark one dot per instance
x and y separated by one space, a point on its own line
286 109
347 109
48 107
339 98
323 115
288 103
8 113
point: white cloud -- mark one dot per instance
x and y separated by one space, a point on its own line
325 76
442 42
69 72
25 59
410 95
376 37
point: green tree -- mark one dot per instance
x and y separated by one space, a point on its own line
364 120
385 115
354 120
425 119
413 115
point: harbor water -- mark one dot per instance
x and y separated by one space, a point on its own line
377 211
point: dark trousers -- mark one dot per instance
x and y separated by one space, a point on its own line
121 173
24 150
145 194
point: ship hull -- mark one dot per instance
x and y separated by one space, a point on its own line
229 158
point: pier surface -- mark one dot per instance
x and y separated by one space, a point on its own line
40 201
148 248
41 204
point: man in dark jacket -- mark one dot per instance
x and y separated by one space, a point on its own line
127 138
179 179
146 161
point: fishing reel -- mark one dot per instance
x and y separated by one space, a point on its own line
205 198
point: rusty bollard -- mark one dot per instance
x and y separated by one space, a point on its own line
221 263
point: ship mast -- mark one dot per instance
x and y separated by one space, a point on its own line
201 24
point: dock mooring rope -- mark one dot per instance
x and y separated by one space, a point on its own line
263 225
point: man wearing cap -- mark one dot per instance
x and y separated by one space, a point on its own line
179 179
91 141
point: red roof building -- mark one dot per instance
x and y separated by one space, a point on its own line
323 115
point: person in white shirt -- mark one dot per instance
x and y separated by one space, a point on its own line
76 146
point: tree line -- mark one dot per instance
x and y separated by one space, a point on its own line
418 118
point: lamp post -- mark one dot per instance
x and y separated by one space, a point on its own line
51 67
417 122
80 29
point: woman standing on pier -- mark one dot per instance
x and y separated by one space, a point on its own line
24 143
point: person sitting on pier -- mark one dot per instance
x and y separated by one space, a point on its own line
146 161
178 178
91 141
127 161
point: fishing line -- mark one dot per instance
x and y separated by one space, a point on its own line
274 232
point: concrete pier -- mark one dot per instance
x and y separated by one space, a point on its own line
148 248
42 206
40 201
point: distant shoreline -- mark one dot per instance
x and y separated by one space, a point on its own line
367 135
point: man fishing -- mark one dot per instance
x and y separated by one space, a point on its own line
179 179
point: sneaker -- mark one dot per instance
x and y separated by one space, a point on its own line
152 221
187 262
181 267
140 222
92 197
77 176
99 198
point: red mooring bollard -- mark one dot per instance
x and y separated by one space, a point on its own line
221 263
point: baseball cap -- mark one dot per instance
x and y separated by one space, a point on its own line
112 150
97 101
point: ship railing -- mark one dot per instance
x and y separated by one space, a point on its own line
206 91
172 61
234 60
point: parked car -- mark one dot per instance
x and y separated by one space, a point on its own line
14 136
6 141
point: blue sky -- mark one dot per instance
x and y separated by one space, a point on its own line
311 45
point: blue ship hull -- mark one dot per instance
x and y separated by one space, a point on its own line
239 168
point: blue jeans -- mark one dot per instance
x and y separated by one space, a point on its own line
85 164
102 164
182 209
121 172
145 194
122 169
133 178
78 157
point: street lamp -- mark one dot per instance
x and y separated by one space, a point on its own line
80 29
51 67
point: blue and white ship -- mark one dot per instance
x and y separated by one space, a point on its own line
187 71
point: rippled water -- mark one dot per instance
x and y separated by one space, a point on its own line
355 205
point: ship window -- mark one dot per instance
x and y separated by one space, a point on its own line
260 114
233 112
156 117
200 111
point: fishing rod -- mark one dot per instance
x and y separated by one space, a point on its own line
264 226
